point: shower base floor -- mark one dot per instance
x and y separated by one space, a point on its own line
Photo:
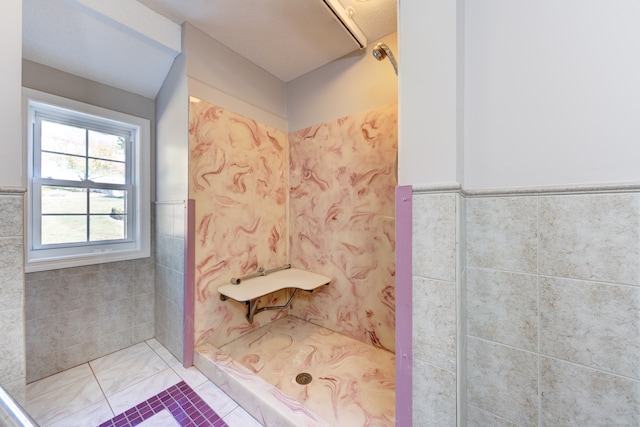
352 383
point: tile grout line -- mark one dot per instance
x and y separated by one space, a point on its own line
539 349
95 377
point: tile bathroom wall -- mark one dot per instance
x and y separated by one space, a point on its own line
436 269
169 275
553 309
75 315
12 351
342 180
238 179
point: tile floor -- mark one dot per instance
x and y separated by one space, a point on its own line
95 392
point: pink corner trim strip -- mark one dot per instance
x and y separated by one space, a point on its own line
404 355
189 283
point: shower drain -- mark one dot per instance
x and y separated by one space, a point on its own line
303 378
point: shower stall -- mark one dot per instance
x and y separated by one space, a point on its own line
320 198
246 190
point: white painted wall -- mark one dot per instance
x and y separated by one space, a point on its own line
172 143
429 119
215 65
10 113
351 84
46 79
552 92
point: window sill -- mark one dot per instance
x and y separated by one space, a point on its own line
33 266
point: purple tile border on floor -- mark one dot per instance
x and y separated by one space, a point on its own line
186 407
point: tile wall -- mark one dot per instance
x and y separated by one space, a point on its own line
12 351
436 254
553 317
75 315
169 275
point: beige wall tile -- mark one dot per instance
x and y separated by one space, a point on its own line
11 208
434 322
576 396
591 237
476 417
502 233
434 396
434 236
11 293
75 355
12 350
116 316
503 380
78 326
593 324
12 259
503 307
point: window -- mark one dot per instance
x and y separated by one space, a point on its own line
88 189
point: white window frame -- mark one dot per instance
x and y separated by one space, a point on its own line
137 243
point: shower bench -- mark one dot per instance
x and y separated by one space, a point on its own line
249 289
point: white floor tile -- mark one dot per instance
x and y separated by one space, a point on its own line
56 381
120 370
60 403
142 390
218 400
167 356
191 375
154 343
161 419
92 416
92 393
241 418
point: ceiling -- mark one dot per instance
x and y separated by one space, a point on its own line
131 44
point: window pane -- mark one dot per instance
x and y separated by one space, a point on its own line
58 166
63 138
107 171
110 202
63 229
108 227
105 146
63 200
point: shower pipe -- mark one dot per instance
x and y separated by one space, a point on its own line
261 272
382 51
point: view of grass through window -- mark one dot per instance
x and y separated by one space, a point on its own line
83 172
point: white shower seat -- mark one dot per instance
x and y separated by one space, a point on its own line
250 290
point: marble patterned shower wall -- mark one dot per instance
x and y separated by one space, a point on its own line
238 180
342 182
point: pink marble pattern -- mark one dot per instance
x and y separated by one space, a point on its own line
353 383
262 400
342 186
238 181
341 219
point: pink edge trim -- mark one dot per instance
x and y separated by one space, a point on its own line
189 283
404 355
